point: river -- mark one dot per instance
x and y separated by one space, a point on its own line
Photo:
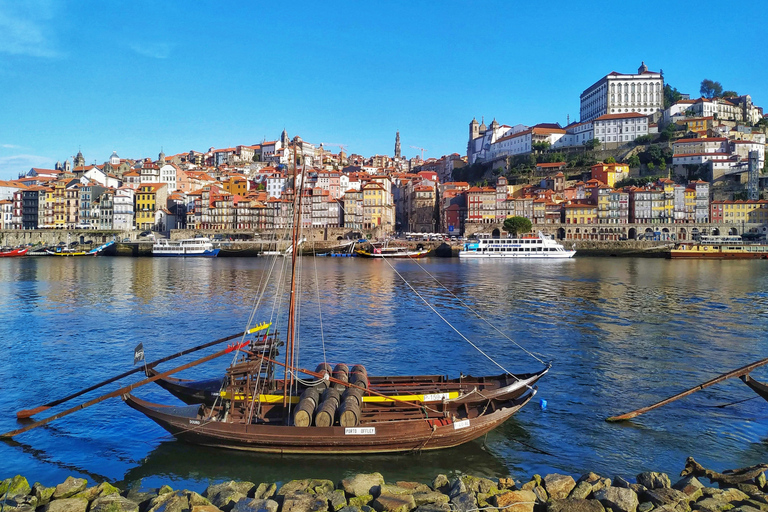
621 333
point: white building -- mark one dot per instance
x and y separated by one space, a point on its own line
519 143
123 209
168 175
576 134
620 128
618 93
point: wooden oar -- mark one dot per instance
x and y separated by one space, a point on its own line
733 373
115 393
27 413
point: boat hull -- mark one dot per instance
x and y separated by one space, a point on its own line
524 256
205 254
409 254
756 386
379 437
14 253
716 255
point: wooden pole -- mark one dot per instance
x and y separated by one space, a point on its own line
115 393
27 413
733 373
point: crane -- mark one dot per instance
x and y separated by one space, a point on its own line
422 151
342 147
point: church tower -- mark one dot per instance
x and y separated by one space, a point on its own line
397 145
284 140
642 69
161 157
79 159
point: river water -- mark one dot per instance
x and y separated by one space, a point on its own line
621 333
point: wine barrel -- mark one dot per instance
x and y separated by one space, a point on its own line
349 412
331 394
341 372
324 369
353 394
302 416
359 376
326 412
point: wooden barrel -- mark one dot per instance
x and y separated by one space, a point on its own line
324 369
353 394
359 376
331 394
349 412
302 416
341 372
326 412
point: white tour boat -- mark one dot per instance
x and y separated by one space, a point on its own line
189 247
526 247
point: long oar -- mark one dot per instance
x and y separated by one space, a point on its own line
27 413
733 373
117 392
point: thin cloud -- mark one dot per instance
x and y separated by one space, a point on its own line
152 50
11 166
9 146
24 31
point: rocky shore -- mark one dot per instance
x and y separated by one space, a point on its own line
743 490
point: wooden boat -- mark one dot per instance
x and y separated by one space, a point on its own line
96 251
14 252
758 387
728 247
394 251
330 410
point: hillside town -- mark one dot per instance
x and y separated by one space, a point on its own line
641 153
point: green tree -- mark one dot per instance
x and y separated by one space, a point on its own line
541 146
610 160
633 161
517 225
710 89
671 96
644 139
591 144
730 94
256 158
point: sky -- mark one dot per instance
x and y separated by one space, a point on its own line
140 76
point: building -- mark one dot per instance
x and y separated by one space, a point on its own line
614 130
619 93
610 174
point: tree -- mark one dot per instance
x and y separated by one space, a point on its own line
710 89
591 144
730 94
633 161
671 96
610 160
541 146
256 158
517 225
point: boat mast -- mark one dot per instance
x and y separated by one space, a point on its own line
291 331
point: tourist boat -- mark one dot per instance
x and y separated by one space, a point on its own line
21 251
539 246
270 406
96 251
189 247
392 251
727 247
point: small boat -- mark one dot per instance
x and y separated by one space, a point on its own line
758 387
21 251
539 246
726 247
96 251
190 247
392 251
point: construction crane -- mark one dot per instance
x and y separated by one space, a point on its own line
342 147
422 151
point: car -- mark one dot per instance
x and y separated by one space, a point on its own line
145 233
126 239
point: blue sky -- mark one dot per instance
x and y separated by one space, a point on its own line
140 75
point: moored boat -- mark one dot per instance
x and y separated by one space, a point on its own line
96 251
539 246
13 253
728 247
392 251
190 247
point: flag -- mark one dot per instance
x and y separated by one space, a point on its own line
138 353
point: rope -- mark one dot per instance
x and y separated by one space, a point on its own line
319 309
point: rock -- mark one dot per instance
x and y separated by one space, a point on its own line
226 494
303 502
434 507
506 483
667 497
360 501
264 491
748 488
414 486
140 497
745 508
67 504
90 493
756 503
645 506
528 486
712 505
18 503
516 501
457 487
255 505
441 484
621 482
15 486
582 491
42 493
653 480
336 500
113 503
69 487
464 502
105 489
689 485
394 489
363 484
541 494
394 503
351 509
476 484
558 486
176 501
195 500
733 494
574 505
617 499
429 497
760 480
204 508
638 488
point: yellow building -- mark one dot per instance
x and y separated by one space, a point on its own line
610 174
149 198
580 213
745 211
236 185
689 199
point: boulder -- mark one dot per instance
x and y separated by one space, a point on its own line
506 483
748 488
429 497
541 494
733 494
360 501
690 485
363 484
18 503
195 500
255 505
387 502
653 480
140 497
457 487
304 502
757 503
617 499
395 489
441 484
165 489
477 484
69 488
203 508
42 493
558 486
113 503
582 491
464 502
67 505
434 507
516 501
105 489
226 494
414 486
15 486
645 506
90 493
350 508
176 501
621 482
574 505
745 508
712 505
667 497
264 491
336 499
